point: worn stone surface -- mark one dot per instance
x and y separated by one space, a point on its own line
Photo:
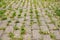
33 20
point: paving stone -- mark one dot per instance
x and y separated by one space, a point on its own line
19 25
35 20
27 22
13 5
28 29
46 37
57 35
12 24
48 20
35 26
9 29
28 17
44 28
51 26
43 23
41 18
17 33
21 20
1 31
27 37
3 23
36 35
5 37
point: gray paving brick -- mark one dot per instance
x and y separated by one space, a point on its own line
46 37
36 35
57 34
9 29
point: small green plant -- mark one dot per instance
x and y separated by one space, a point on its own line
31 22
52 36
43 32
23 29
57 11
17 21
58 25
21 10
31 16
31 11
14 14
2 3
36 11
3 28
2 12
2 15
4 18
9 21
19 15
25 17
37 17
11 35
49 15
21 38
15 28
25 14
8 24
38 22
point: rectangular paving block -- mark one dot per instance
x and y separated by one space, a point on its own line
35 26
36 35
9 29
57 34
17 33
44 28
5 37
27 37
46 37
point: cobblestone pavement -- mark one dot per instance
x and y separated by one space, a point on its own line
29 20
